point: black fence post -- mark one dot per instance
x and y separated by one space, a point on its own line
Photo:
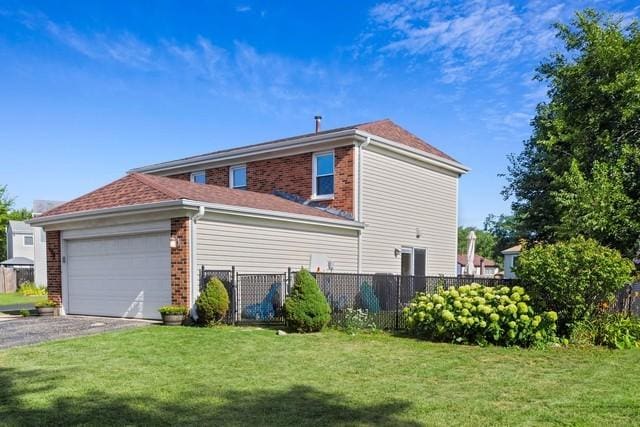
288 282
398 280
234 297
201 278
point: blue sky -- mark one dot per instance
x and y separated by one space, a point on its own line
89 90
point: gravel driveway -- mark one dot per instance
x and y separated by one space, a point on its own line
31 330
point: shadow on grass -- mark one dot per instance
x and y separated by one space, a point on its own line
298 406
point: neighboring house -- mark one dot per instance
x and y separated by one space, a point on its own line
483 267
370 198
19 241
510 260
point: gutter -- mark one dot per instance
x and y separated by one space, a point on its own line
276 215
107 212
361 146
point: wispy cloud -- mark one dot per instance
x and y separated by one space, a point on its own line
465 38
122 47
243 8
267 81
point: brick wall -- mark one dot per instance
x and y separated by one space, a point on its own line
218 176
292 174
180 262
54 266
184 176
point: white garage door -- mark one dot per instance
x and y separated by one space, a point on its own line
124 276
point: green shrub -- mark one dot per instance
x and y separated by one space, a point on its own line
573 278
25 313
29 289
173 309
611 330
213 303
356 320
45 304
480 315
306 308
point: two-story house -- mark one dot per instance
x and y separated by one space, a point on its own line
370 198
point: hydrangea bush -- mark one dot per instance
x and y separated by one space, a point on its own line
480 315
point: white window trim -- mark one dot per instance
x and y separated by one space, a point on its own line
193 174
236 167
314 184
24 240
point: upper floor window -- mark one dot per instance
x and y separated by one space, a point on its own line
199 177
238 177
323 168
28 240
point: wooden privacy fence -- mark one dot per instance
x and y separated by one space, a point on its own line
11 278
8 280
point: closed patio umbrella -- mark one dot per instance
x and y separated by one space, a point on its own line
471 253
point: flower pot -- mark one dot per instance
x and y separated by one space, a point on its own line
172 319
46 311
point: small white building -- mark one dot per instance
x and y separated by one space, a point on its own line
510 260
29 244
19 240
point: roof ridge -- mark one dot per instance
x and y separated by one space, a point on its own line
147 180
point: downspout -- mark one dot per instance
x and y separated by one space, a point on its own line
359 201
194 260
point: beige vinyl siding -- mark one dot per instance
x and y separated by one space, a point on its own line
398 197
264 246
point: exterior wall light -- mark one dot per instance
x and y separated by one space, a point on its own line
174 242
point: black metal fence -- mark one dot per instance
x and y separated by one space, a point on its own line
260 297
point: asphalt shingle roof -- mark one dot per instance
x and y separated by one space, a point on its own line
137 188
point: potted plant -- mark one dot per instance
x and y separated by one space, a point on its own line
46 308
173 315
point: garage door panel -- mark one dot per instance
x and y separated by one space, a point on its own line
125 276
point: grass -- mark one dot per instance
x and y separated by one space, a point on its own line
15 298
249 376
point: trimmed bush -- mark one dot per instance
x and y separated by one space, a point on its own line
306 308
611 330
476 314
574 278
213 303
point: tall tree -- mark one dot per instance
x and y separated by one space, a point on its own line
579 172
506 231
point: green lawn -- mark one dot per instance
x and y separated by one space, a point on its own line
246 376
16 298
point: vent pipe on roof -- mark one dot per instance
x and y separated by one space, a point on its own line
318 120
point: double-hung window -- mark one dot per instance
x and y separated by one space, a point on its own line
323 171
199 177
27 240
238 177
